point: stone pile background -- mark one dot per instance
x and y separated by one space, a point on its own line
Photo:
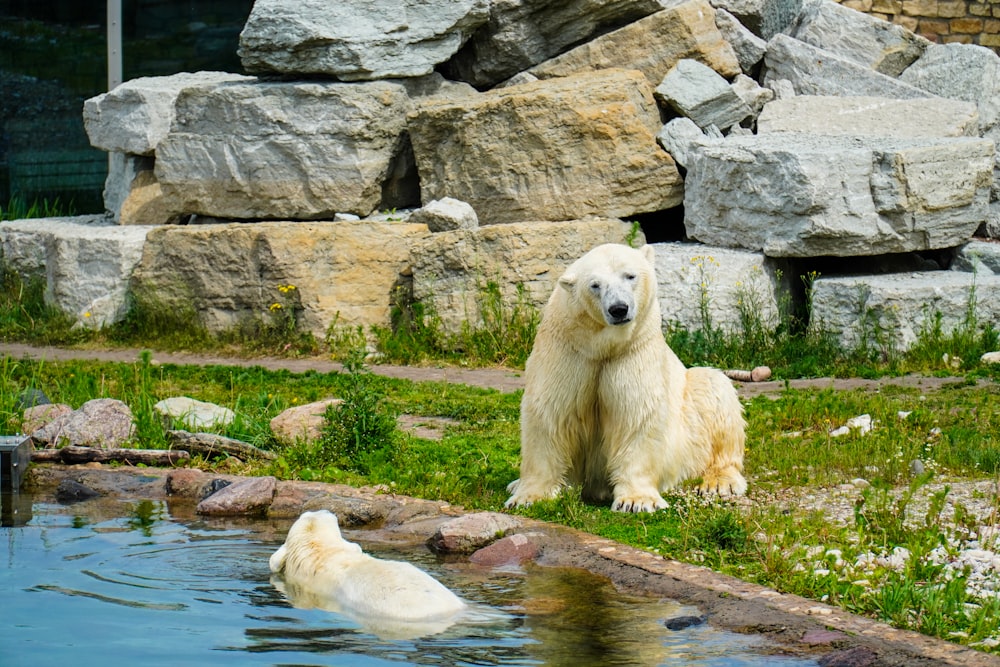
386 150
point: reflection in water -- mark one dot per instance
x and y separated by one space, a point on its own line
130 581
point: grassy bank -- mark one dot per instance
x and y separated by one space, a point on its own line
891 557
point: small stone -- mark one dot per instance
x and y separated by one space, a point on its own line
990 358
69 492
249 496
511 550
916 467
682 622
468 533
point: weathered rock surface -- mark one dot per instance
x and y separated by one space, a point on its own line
809 196
870 116
136 116
356 40
652 45
85 261
316 272
544 167
749 48
511 550
522 33
105 423
871 42
893 309
246 496
765 18
980 256
37 416
192 413
451 270
291 150
302 423
445 215
698 92
961 72
702 287
815 71
467 533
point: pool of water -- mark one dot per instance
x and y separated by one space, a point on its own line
127 580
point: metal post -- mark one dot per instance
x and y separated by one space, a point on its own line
114 43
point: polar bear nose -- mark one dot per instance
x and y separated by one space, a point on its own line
618 312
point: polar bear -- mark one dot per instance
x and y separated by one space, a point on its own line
608 406
321 569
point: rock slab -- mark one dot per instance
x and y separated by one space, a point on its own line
526 152
812 196
357 40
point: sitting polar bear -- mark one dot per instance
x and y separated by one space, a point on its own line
392 598
607 404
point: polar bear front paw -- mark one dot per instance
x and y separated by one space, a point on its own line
638 503
728 482
522 495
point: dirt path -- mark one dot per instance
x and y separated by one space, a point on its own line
501 379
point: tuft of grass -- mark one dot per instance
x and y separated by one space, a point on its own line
18 208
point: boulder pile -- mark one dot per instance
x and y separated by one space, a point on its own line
384 150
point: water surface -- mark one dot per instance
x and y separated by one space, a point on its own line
128 581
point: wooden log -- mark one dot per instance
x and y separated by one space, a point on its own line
76 454
212 445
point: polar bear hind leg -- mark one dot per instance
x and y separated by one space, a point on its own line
715 416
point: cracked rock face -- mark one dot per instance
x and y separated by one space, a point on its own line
357 40
813 196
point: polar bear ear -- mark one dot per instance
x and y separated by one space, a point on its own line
649 253
568 281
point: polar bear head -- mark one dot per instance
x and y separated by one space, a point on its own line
612 283
314 537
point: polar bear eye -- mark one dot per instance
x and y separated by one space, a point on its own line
630 276
595 286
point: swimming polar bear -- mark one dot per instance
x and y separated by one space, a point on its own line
320 569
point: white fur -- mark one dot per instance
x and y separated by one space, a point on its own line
321 569
608 405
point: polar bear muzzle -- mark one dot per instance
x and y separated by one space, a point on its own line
618 307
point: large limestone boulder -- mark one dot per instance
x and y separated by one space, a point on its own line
870 116
652 45
961 72
702 287
289 150
893 310
817 71
295 150
451 270
135 116
522 33
794 195
560 149
316 272
866 40
356 40
85 262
